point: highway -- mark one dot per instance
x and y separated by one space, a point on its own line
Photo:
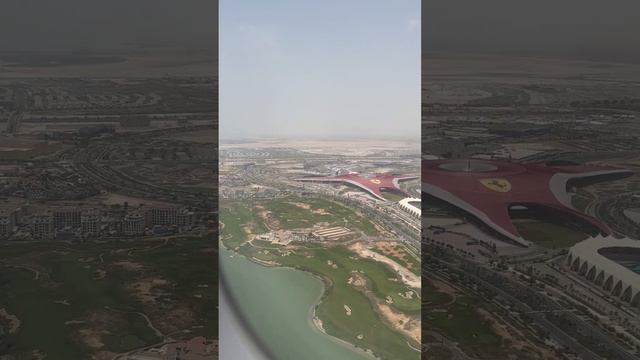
540 317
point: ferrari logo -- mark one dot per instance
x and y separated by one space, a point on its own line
499 185
375 181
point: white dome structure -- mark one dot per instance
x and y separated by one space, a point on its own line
408 205
600 260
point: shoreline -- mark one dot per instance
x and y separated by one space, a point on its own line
317 327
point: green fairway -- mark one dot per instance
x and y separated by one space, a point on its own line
363 319
431 296
393 196
547 235
83 299
336 265
292 214
463 323
439 352
381 278
582 199
235 218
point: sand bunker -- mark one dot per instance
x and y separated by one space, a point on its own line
129 265
357 280
145 289
300 205
91 338
12 320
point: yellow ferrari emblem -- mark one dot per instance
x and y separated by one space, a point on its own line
499 185
375 181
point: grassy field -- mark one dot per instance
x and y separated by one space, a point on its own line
393 196
550 236
439 353
292 216
335 265
82 300
235 218
431 296
581 199
376 273
463 323
363 320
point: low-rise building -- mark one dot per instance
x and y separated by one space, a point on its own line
42 226
7 223
67 218
133 224
90 223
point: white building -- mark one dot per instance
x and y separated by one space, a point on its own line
133 224
409 205
600 260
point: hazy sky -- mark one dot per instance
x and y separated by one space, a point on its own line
309 68
606 30
80 24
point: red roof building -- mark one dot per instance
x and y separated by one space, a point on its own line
373 185
489 189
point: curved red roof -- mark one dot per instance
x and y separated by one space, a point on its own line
373 185
487 189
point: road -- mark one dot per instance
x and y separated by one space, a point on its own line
540 318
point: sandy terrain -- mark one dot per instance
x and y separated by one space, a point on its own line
100 274
353 147
12 320
321 212
401 322
491 66
91 338
392 249
200 136
177 318
143 289
409 278
153 63
318 323
269 221
308 207
74 322
103 355
38 355
517 342
357 280
264 262
129 265
300 205
97 324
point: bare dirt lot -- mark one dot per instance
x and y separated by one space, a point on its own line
148 63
